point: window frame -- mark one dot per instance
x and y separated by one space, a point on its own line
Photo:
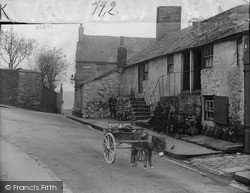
207 55
170 63
209 108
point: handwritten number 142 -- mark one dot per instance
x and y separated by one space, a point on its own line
100 6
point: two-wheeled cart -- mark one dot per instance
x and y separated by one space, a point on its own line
119 133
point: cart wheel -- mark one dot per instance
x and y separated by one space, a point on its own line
109 146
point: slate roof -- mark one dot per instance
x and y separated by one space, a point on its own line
104 48
230 22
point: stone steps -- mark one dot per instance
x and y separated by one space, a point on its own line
138 102
146 109
142 117
139 106
140 109
136 99
142 113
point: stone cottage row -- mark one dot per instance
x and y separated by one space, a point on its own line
201 65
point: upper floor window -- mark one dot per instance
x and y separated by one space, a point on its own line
170 61
207 56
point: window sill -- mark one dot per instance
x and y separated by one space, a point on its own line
196 92
186 92
206 68
208 123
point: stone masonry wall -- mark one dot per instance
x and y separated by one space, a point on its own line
169 84
97 93
8 87
226 78
29 89
24 88
21 88
129 81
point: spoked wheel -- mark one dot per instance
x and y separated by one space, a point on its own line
141 156
109 146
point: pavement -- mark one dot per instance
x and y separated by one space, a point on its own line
216 144
235 166
203 152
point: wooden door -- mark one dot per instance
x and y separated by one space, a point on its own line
140 78
197 70
186 71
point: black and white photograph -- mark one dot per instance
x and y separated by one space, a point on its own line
124 96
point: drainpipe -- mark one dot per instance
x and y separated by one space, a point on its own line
247 95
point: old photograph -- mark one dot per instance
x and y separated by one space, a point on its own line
115 96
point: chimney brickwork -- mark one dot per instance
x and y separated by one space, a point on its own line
121 57
168 20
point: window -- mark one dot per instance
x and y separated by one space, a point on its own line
209 108
170 61
207 57
145 72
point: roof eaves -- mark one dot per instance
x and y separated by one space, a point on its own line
157 49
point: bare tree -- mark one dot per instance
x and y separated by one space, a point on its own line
52 64
15 49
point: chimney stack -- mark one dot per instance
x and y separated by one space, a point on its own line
168 20
122 41
121 54
80 32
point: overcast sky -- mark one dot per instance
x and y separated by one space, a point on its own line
131 18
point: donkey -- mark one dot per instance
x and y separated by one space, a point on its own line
145 149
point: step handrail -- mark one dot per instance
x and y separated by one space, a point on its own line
158 83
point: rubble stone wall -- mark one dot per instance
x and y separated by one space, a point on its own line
21 88
24 88
129 81
97 93
9 87
170 84
29 90
226 77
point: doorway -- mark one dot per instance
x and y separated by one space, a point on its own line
197 70
186 71
140 78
